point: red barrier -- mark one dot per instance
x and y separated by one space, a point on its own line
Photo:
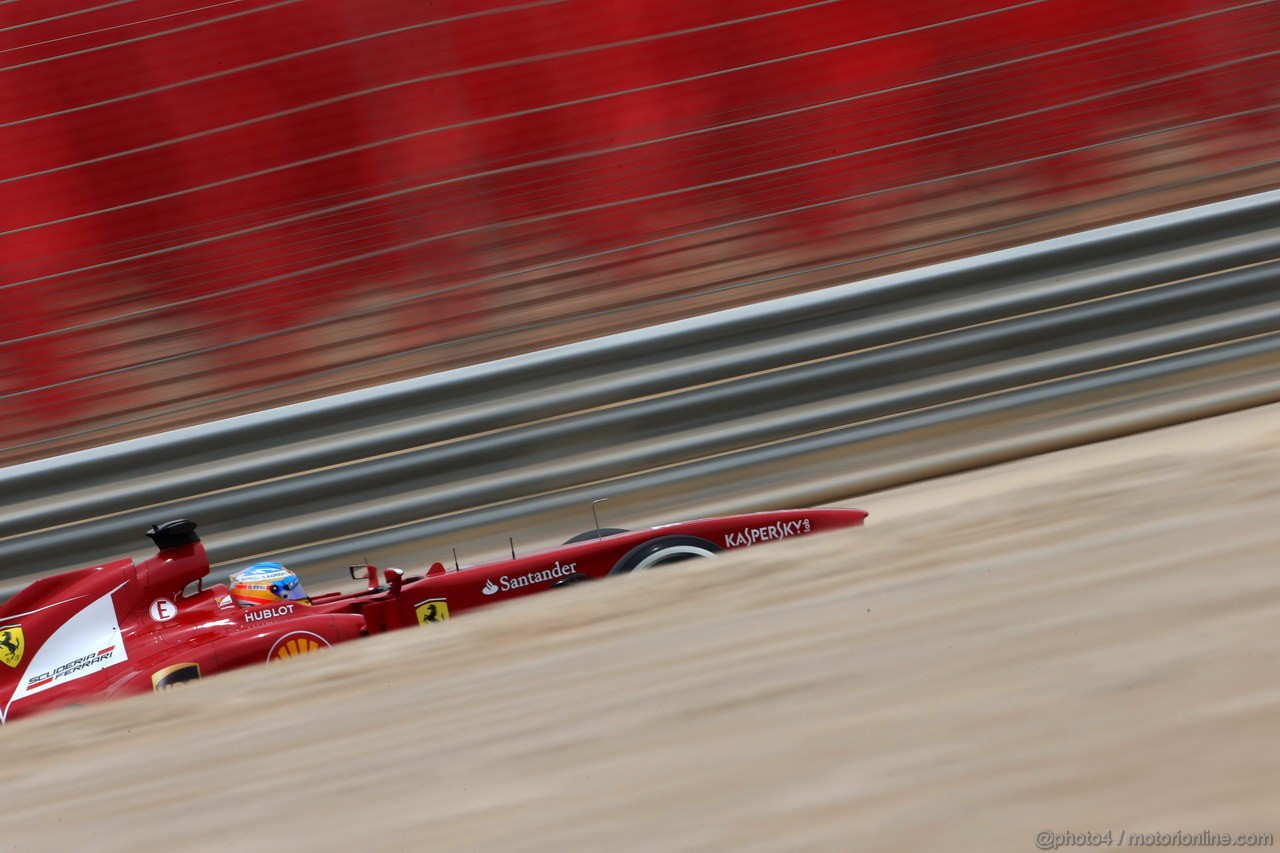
212 207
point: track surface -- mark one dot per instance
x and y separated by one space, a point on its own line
1085 641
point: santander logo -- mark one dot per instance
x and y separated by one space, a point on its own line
507 583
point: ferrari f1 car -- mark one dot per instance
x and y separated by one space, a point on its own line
124 627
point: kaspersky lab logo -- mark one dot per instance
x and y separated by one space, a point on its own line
506 583
12 645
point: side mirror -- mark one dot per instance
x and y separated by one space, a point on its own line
365 571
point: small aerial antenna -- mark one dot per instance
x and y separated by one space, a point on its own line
456 567
595 517
512 542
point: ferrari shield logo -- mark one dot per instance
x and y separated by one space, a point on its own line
12 645
432 610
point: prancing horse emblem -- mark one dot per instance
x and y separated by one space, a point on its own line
432 610
12 645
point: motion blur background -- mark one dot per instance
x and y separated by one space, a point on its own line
214 207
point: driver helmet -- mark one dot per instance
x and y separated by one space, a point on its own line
266 583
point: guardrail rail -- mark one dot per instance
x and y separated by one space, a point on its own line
793 401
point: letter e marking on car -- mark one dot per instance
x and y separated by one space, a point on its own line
162 610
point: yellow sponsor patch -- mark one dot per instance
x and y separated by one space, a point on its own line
12 645
172 676
294 647
432 610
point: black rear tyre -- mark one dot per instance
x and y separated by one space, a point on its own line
595 534
663 551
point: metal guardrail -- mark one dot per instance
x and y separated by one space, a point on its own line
796 400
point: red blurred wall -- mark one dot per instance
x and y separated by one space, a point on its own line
208 206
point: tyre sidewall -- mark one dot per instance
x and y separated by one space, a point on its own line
664 549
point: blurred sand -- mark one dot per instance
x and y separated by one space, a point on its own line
1085 641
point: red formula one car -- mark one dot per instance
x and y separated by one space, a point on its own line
125 627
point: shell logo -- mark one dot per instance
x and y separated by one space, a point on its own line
295 645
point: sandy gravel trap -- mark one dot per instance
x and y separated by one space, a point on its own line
1086 642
